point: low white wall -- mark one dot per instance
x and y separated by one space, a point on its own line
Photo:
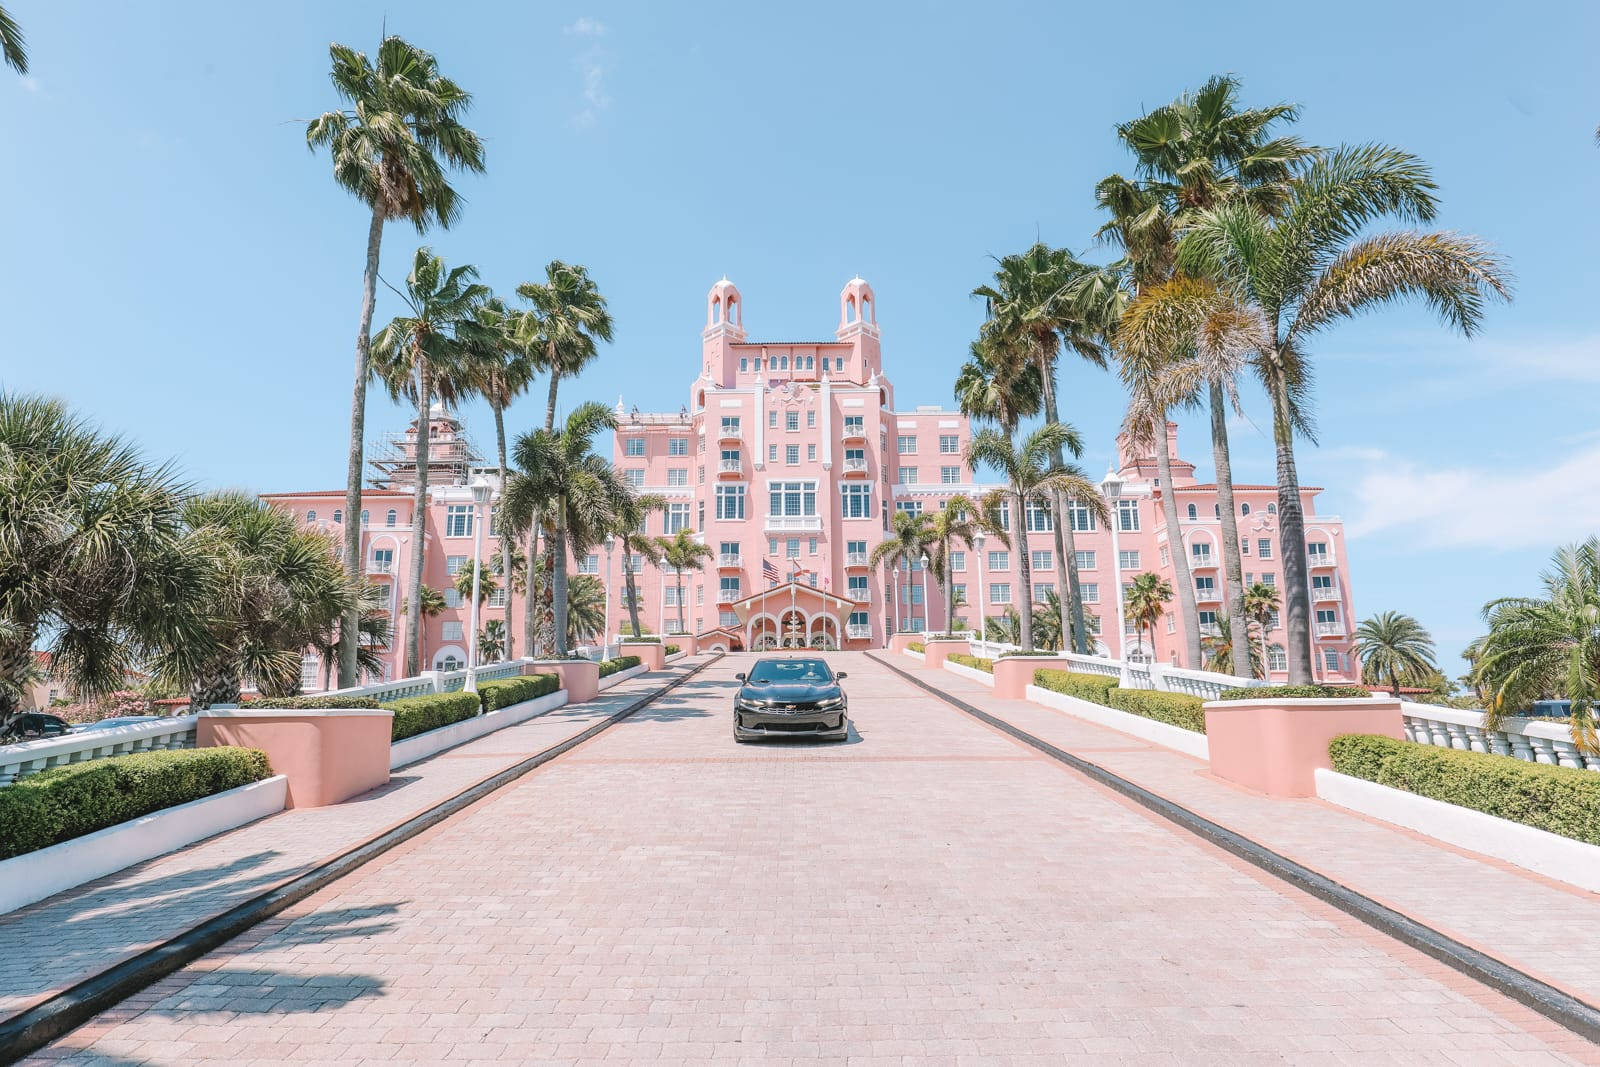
970 672
35 875
918 656
422 746
676 656
1174 737
1549 854
621 676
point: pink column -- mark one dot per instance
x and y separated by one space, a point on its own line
1274 746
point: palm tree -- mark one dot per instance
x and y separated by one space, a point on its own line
910 535
430 352
1146 595
430 604
1396 645
682 553
487 581
568 315
1309 267
586 608
1219 653
1547 646
561 478
1260 605
372 640
630 513
1034 475
13 47
959 521
391 149
1037 301
492 641
96 567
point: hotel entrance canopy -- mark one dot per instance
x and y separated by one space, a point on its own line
793 615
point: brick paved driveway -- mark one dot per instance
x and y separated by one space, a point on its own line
928 892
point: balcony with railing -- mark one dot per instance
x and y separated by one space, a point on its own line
729 435
858 631
1330 629
1325 592
729 561
730 468
793 523
729 596
1319 559
1207 594
380 566
1201 560
853 465
858 559
854 432
1210 629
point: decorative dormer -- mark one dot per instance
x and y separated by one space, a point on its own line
725 311
858 309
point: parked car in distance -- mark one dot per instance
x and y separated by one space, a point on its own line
113 723
36 724
798 697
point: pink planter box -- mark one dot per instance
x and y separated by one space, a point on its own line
651 655
686 643
1013 674
1275 746
899 643
937 650
328 755
579 677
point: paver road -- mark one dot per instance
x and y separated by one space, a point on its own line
928 892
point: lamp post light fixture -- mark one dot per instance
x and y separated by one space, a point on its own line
1111 489
605 584
983 611
482 487
927 612
896 569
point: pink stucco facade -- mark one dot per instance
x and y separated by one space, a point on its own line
794 453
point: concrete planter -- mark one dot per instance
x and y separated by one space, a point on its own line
687 643
621 676
652 655
938 648
328 754
982 677
580 678
421 746
1160 733
903 642
1275 745
1552 855
1014 674
35 875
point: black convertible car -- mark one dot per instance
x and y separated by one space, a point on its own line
790 698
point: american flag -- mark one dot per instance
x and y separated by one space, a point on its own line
769 571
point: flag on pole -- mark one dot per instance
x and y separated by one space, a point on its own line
769 571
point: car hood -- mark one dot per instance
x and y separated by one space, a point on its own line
789 694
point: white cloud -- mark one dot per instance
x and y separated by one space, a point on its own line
586 27
1555 359
31 84
592 65
1541 506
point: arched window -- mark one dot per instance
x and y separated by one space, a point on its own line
311 516
338 515
1244 509
1216 511
390 519
366 516
1272 509
1194 513
1277 660
449 663
811 363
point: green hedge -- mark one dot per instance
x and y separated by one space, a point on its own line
977 663
621 663
504 692
917 647
1268 692
66 802
672 650
1035 652
641 641
418 715
1174 709
1561 800
314 702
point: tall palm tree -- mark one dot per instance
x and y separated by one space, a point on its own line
1396 646
488 582
586 608
563 479
682 553
430 605
1311 266
13 46
1547 646
429 353
392 149
1219 653
1145 600
958 522
630 514
372 641
1033 474
1036 299
96 567
1260 605
566 318
910 535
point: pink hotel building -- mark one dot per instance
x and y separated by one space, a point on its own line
788 459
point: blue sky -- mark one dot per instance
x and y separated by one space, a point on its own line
180 267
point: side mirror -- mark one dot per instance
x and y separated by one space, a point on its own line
739 676
841 676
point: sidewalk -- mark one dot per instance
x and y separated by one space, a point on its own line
1546 929
66 938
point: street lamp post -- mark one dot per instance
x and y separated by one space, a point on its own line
927 610
983 610
481 488
896 570
605 583
1111 489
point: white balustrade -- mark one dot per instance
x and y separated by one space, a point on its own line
1530 740
31 757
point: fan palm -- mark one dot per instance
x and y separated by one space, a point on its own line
492 641
95 561
1547 646
1260 605
631 511
1036 301
586 609
372 640
683 553
561 477
429 353
1219 651
1146 601
430 605
959 521
392 149
997 385
1396 646
1033 474
566 318
1310 267
13 46
488 582
910 535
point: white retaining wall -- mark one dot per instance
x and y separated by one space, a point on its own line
1174 737
621 676
422 746
970 672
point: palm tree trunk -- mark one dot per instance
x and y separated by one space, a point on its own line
216 686
505 530
683 626
351 622
1179 552
558 578
530 592
1265 669
1025 610
1291 537
419 515
1232 567
1065 542
949 591
633 592
550 405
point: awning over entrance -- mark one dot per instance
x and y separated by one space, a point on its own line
792 615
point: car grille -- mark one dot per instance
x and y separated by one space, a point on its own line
797 727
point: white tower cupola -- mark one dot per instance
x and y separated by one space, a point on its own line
858 309
725 310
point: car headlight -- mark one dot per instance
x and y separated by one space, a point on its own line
831 704
748 705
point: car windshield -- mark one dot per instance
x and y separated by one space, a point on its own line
792 671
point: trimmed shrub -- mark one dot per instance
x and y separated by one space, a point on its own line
1035 652
977 663
418 715
917 647
1174 709
672 650
304 703
1268 692
621 663
641 640
504 692
1091 687
67 802
1560 800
